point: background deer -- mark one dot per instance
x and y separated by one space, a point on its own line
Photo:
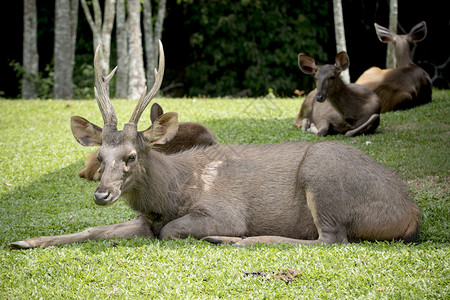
403 87
336 107
294 192
189 135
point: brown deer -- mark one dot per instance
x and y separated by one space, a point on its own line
294 192
403 87
334 106
189 135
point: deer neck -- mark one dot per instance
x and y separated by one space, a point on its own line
403 55
342 98
159 185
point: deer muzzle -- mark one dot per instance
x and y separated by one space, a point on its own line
320 97
105 198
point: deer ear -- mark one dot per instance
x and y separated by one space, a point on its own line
85 132
155 112
418 32
342 61
307 64
163 129
384 34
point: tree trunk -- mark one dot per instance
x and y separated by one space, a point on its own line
101 29
340 34
62 77
391 62
30 52
108 23
149 41
152 36
95 25
73 29
136 74
122 51
159 24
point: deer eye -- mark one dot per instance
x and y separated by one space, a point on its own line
131 158
99 159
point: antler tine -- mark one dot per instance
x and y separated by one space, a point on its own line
146 98
101 91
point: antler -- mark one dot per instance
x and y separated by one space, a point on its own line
146 98
101 91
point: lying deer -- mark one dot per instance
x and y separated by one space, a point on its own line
189 135
403 87
336 107
294 192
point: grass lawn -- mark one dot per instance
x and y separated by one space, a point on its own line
41 194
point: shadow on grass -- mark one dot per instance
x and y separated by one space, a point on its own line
58 202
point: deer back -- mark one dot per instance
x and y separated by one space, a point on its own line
403 87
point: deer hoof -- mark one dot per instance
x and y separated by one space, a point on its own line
19 245
213 239
349 134
222 239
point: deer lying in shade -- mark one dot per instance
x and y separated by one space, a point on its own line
189 135
295 192
334 106
403 87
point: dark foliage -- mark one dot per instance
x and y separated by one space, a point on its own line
239 45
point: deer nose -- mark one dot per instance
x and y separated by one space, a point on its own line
101 198
320 97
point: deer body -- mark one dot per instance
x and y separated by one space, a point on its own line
213 200
403 87
294 192
336 107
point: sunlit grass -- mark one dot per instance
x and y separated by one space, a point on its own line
41 194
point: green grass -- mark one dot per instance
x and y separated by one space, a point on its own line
41 194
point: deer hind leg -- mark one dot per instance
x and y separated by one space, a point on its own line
336 235
131 229
330 231
373 120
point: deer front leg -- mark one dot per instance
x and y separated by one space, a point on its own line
199 225
298 122
306 124
313 129
321 129
131 229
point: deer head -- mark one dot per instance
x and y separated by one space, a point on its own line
122 152
326 76
402 42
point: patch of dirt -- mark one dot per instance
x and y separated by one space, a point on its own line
286 275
